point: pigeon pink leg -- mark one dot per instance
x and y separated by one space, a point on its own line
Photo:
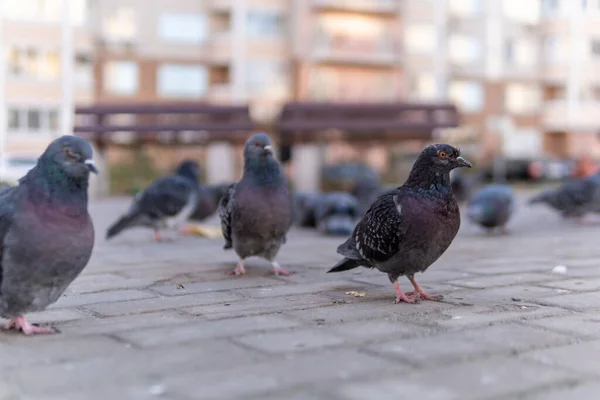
239 269
400 296
157 236
277 270
20 323
420 293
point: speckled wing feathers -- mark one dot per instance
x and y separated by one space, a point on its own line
225 211
378 236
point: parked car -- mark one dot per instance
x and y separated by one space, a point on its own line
14 166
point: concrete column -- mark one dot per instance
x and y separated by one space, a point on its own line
575 61
99 184
307 163
441 49
220 162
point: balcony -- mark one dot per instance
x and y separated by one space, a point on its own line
370 52
381 7
220 5
585 116
219 48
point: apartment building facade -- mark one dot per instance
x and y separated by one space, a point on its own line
31 32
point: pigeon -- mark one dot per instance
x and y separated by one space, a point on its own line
462 185
166 203
256 212
208 200
408 228
336 213
46 232
492 206
367 189
573 199
303 205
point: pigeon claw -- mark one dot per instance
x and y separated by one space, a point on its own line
239 270
401 297
277 270
21 324
424 296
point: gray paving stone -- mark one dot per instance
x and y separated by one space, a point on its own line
501 280
100 297
576 285
202 330
588 390
578 325
260 306
577 302
174 289
315 287
161 303
286 342
94 326
499 377
583 358
265 377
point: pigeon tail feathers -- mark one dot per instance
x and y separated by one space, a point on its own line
345 265
125 222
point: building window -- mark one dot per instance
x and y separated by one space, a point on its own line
183 28
465 8
183 81
265 24
14 119
595 47
509 51
520 52
32 120
268 78
521 99
420 38
464 49
551 48
33 63
120 25
550 7
468 95
424 86
120 78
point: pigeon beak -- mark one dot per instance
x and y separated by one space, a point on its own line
91 166
268 149
463 163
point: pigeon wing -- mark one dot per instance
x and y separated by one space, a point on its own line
379 234
226 213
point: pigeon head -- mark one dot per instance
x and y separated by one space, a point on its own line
189 169
260 166
434 165
258 148
71 156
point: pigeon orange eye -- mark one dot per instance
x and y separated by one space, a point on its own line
442 154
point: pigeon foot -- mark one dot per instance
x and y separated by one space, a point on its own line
239 270
277 270
401 297
419 293
21 324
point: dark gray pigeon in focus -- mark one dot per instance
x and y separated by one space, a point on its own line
166 203
492 206
46 232
573 199
336 213
408 228
256 212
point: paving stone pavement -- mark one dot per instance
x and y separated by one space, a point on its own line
163 321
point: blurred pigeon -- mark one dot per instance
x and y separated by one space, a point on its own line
166 203
462 185
575 198
208 200
303 205
46 231
366 190
336 213
492 206
409 228
256 212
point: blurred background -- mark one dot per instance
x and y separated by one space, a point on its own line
512 82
